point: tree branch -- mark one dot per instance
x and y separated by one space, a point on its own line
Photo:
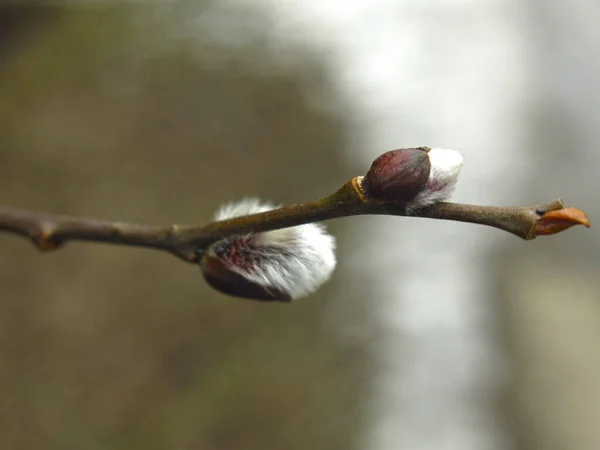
50 231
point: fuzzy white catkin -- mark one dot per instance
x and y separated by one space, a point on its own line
295 260
443 177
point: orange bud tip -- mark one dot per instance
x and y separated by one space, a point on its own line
559 220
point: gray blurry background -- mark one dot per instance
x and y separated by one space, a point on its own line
431 335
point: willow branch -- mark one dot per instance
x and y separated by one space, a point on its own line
51 231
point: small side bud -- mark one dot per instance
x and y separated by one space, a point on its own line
398 175
413 177
279 265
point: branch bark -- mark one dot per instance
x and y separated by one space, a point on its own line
51 231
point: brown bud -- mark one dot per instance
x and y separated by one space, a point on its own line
398 175
229 282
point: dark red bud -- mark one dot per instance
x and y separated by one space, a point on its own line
398 175
228 282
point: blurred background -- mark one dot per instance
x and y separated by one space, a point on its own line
430 335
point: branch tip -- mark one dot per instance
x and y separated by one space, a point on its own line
555 221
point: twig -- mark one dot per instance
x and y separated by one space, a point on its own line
50 231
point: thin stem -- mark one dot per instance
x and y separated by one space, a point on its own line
520 221
50 231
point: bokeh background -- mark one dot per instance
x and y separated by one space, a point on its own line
430 335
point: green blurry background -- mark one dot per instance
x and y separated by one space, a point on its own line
104 113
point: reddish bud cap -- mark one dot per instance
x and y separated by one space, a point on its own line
229 282
398 175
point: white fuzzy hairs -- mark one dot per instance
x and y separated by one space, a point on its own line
443 177
295 261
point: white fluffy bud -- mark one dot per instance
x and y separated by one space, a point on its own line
279 265
443 177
